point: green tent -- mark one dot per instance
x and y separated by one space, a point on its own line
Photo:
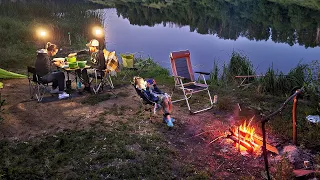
9 75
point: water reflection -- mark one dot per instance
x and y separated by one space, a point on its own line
266 32
253 19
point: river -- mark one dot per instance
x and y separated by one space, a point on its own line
269 34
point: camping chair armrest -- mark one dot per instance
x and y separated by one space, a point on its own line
205 73
179 77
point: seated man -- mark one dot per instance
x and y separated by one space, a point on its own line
152 92
98 62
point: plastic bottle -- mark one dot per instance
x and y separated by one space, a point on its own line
215 99
79 85
313 118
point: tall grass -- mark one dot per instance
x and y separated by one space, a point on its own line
214 75
277 83
147 68
273 82
239 65
14 44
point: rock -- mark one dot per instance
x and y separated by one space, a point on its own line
291 152
295 155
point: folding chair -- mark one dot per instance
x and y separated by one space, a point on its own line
103 77
145 99
36 86
127 64
184 78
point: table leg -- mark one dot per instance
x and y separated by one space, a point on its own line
68 82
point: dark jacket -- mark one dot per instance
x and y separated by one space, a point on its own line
97 59
150 93
43 64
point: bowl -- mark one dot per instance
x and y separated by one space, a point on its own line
72 59
73 65
82 64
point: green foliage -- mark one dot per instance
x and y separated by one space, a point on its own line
314 4
278 83
19 22
238 65
214 75
104 151
151 69
312 90
284 170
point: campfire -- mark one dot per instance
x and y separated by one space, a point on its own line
246 139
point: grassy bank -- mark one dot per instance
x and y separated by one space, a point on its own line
266 94
132 147
117 152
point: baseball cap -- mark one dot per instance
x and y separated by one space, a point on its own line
93 42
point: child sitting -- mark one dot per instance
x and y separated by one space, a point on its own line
152 92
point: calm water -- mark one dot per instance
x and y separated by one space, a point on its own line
159 40
266 32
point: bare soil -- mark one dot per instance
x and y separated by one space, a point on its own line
192 135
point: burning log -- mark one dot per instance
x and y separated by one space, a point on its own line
250 144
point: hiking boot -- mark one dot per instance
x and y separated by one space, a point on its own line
63 95
55 91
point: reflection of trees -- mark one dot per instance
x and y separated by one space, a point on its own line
253 19
60 16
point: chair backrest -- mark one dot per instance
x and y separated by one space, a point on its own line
127 60
32 71
112 62
143 96
181 64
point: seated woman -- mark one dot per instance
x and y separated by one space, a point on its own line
153 93
46 70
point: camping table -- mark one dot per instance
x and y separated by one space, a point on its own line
72 71
244 78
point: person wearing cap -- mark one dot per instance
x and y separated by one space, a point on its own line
97 62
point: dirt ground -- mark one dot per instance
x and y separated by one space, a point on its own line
25 119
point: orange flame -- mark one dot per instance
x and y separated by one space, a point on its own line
248 130
246 134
